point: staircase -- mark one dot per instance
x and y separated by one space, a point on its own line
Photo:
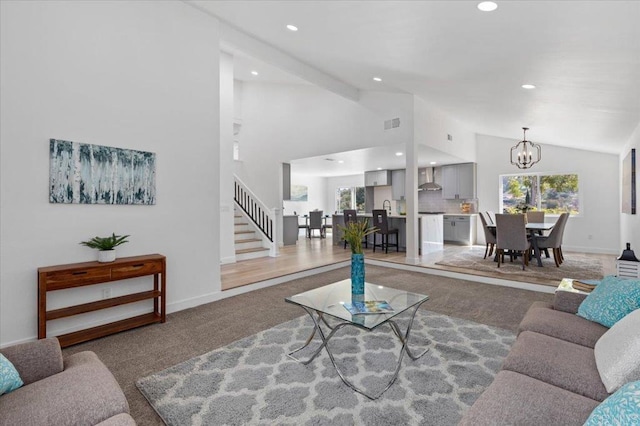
248 243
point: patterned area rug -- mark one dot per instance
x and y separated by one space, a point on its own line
253 381
575 266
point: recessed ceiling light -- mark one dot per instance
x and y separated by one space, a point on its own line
487 6
433 162
379 168
398 154
292 28
340 161
528 86
254 72
377 79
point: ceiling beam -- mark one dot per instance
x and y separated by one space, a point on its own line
273 56
237 39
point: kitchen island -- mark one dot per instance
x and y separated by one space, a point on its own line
430 227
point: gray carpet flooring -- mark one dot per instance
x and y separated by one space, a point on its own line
253 382
137 353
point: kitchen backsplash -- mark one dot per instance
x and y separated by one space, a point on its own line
432 201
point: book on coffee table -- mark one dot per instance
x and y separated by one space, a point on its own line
369 307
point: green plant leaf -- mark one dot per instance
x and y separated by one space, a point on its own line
106 243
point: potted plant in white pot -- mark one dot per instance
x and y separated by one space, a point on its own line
106 246
354 233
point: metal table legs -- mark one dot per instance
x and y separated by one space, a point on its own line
404 339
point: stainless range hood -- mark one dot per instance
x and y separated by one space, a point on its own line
429 184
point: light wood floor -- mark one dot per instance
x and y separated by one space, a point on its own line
314 253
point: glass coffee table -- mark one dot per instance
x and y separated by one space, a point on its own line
329 300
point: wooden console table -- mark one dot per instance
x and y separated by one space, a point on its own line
60 277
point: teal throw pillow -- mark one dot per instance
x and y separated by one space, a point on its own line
611 301
621 408
9 378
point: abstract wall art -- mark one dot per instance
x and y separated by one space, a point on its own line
629 183
81 173
299 193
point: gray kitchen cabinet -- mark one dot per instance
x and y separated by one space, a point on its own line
459 229
377 178
398 184
459 181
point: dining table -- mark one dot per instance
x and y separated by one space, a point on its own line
325 223
534 228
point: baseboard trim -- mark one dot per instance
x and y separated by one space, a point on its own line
593 250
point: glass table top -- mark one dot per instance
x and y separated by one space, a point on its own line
330 299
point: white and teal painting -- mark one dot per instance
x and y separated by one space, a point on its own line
299 193
81 173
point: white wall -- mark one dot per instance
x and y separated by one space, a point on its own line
431 127
316 196
286 122
140 75
598 176
226 237
630 224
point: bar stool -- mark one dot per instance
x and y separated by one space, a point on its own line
380 222
351 216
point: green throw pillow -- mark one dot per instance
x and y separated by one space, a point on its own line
9 378
621 408
611 301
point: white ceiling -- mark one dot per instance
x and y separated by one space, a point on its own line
362 160
583 56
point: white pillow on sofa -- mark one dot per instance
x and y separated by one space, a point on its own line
617 353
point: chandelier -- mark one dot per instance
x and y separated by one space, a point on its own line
528 153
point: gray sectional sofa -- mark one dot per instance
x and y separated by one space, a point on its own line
550 375
76 390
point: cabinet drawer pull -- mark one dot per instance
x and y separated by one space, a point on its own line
138 265
79 273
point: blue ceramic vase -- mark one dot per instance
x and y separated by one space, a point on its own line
357 274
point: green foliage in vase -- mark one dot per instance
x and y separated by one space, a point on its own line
355 232
106 243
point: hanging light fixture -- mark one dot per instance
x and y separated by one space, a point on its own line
526 152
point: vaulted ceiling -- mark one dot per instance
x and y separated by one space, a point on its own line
582 56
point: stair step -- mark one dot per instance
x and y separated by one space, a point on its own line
248 240
251 250
248 244
248 254
248 231
241 223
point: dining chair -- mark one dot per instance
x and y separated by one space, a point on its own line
553 240
492 217
315 222
511 235
381 223
304 226
537 217
352 216
489 235
564 225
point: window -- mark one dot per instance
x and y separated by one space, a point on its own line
553 194
350 198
